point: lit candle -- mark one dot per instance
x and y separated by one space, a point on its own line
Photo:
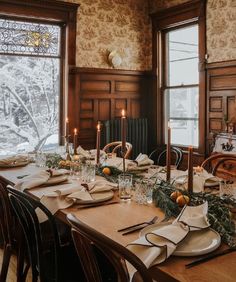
168 153
75 141
123 131
190 169
98 141
67 126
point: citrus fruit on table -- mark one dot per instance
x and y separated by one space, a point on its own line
174 195
182 200
106 170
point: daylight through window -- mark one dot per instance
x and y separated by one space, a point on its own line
182 85
29 86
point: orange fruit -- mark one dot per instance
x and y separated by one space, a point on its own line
182 200
174 195
106 170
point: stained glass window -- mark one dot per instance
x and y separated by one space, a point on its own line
29 86
29 38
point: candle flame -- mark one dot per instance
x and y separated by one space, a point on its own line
75 131
67 120
99 126
123 113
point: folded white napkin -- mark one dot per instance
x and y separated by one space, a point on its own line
142 162
199 179
57 172
33 180
83 153
57 199
156 246
14 160
98 186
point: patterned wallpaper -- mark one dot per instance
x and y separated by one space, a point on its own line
124 26
221 27
113 25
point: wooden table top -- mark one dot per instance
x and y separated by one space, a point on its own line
108 219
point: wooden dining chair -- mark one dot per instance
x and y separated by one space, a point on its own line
85 238
224 162
12 239
159 156
50 263
115 147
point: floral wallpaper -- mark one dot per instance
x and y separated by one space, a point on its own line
221 27
121 26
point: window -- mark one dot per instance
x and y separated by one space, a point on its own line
181 89
179 48
37 45
30 55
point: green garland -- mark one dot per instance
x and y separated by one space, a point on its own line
219 214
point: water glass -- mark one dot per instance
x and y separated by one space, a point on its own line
88 173
75 170
125 186
40 159
143 192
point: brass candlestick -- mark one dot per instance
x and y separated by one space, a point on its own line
68 157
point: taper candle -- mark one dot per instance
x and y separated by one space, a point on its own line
123 131
67 126
190 169
75 141
168 153
98 142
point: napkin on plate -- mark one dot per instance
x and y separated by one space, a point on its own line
14 160
83 153
33 180
142 162
98 186
156 246
57 199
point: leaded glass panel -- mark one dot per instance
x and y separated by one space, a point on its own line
18 37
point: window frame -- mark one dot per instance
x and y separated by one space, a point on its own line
51 12
189 13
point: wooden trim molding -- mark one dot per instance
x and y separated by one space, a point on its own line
222 64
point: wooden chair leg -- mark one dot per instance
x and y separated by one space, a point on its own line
5 263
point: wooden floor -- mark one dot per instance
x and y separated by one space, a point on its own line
11 276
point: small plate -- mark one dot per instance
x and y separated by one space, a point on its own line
14 164
56 179
97 198
196 243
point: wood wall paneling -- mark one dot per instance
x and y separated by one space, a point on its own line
221 93
101 95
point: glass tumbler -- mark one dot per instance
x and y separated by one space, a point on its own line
125 186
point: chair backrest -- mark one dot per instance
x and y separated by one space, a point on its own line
210 162
115 147
160 157
227 166
85 237
25 208
6 217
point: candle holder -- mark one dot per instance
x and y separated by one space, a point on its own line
68 157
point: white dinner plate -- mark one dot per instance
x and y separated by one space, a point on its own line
196 243
208 183
211 183
97 198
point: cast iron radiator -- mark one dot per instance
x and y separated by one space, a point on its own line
137 132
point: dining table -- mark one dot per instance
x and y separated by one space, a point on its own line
107 219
